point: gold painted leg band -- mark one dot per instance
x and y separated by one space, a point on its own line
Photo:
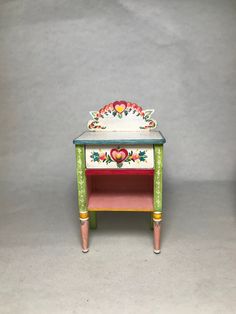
157 216
84 216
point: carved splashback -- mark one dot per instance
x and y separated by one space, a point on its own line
122 116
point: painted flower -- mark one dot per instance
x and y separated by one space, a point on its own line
106 108
120 156
135 157
142 155
111 106
151 123
91 125
135 106
102 156
102 111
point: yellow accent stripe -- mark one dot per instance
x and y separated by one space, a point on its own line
84 215
157 215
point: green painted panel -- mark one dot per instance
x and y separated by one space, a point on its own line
151 221
158 164
93 220
81 178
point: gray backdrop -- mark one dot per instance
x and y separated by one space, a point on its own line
59 59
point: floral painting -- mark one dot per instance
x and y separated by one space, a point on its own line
118 156
122 110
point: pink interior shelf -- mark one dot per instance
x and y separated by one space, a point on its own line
120 201
120 192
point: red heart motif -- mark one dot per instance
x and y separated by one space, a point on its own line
119 155
120 106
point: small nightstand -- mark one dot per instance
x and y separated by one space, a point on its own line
119 166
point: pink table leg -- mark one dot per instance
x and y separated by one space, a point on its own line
157 236
84 228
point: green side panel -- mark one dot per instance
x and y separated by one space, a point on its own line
81 178
151 222
93 220
158 163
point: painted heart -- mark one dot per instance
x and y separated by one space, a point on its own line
119 155
120 106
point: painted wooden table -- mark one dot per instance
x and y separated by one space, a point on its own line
119 165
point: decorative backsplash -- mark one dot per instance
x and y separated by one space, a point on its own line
122 116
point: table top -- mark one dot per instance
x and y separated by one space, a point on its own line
103 138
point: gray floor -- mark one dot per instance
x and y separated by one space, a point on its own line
44 271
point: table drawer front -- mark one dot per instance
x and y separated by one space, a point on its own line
116 156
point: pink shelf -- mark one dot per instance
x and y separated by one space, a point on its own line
102 201
125 192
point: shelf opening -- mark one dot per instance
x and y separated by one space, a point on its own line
125 192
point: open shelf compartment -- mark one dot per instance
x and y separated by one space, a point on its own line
121 190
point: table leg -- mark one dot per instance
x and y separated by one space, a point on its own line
157 237
157 213
84 229
82 197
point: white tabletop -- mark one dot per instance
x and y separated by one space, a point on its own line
103 137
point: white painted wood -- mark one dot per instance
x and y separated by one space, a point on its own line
97 156
130 122
121 136
122 116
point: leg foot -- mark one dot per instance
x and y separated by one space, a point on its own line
85 251
84 229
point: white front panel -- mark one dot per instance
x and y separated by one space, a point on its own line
117 156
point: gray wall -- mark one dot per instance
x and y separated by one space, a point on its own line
60 59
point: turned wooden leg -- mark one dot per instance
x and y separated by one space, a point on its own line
82 196
157 232
84 228
157 236
157 196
